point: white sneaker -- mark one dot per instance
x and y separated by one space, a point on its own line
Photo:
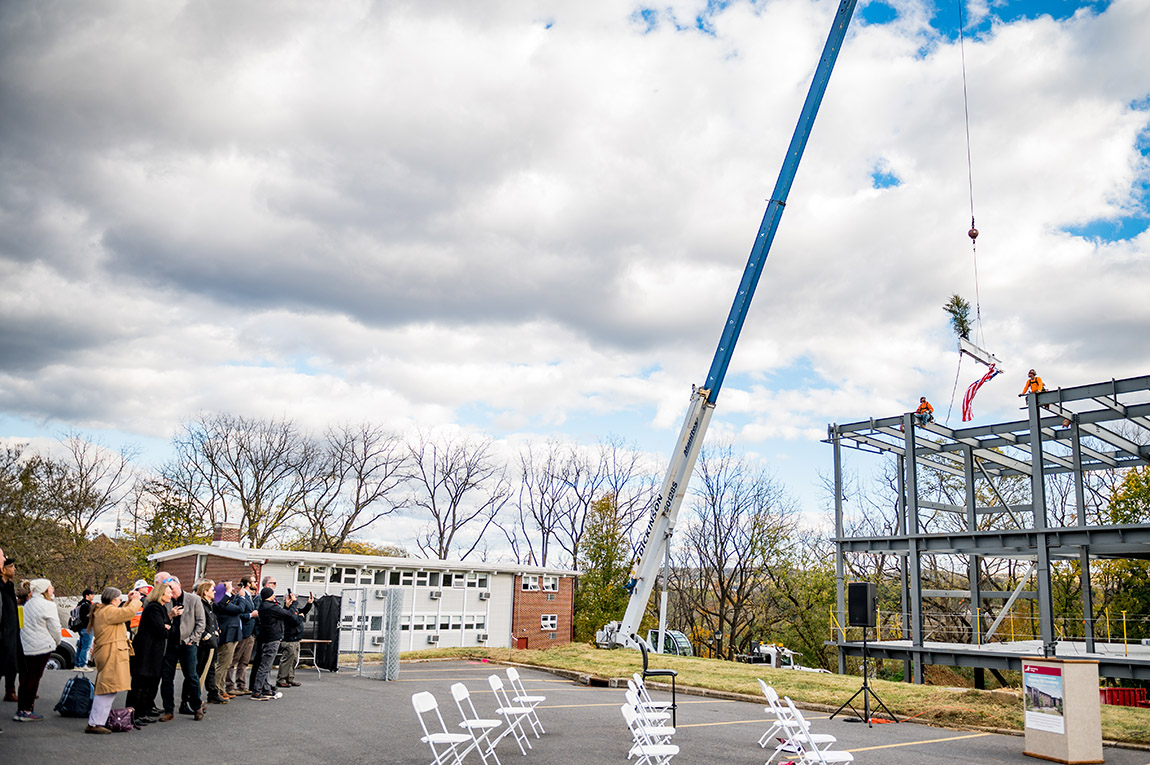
277 695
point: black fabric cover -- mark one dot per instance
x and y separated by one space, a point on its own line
327 628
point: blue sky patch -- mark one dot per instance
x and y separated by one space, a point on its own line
946 16
878 13
1111 230
883 178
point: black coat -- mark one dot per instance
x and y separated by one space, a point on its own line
152 640
293 630
228 613
10 650
272 619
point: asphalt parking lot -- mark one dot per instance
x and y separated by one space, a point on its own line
345 719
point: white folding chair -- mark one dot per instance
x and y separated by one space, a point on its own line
654 710
523 698
514 714
655 727
479 728
648 750
782 730
424 703
805 741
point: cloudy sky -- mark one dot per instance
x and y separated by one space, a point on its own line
528 219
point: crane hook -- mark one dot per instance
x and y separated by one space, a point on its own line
973 233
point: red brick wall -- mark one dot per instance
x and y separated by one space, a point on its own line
183 568
225 569
530 606
217 568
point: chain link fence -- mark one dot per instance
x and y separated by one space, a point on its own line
369 636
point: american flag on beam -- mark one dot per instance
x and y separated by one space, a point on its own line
968 399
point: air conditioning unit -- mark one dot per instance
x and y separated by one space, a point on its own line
377 639
482 637
1145 641
433 638
485 595
435 594
381 594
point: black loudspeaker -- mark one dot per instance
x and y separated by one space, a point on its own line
862 604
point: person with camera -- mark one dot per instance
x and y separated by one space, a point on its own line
273 617
228 609
237 679
293 633
188 622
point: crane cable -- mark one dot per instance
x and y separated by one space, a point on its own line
973 233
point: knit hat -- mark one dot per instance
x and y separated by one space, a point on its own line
39 586
220 590
87 592
266 593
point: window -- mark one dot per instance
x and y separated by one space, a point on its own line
549 622
393 578
404 622
459 580
417 622
346 576
552 635
477 580
456 622
433 578
366 577
444 622
551 584
381 577
530 583
447 575
470 623
421 579
480 622
376 623
317 574
201 566
551 596
406 578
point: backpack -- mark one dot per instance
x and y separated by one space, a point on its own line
76 700
74 619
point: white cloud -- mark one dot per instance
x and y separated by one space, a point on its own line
420 213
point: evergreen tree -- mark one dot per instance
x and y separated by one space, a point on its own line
605 557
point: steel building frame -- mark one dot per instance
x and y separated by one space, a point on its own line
1102 426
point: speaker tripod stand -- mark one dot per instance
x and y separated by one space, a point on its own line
866 695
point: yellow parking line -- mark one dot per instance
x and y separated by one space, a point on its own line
917 743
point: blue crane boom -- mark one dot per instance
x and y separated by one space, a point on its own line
655 544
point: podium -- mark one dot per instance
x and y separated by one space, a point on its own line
1063 716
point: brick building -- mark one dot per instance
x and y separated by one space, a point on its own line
445 603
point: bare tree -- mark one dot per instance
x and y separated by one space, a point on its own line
543 488
352 482
740 521
460 487
616 469
241 469
88 482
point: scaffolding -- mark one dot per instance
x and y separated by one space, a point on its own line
1103 426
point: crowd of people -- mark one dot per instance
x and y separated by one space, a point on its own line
222 638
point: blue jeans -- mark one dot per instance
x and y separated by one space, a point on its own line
185 657
85 646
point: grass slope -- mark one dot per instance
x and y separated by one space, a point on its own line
947 707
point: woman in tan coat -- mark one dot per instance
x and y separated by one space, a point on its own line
110 651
